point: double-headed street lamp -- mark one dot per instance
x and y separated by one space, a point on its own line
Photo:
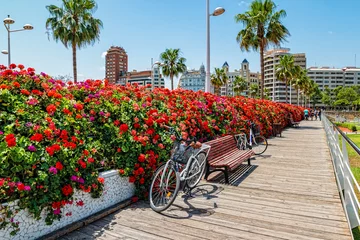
7 22
218 11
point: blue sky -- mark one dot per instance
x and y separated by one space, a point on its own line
326 30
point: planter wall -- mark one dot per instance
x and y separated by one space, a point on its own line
116 189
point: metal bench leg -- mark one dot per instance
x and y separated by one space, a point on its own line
207 171
226 175
249 163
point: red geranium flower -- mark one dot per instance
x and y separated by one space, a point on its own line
67 190
38 137
51 109
59 166
123 128
25 92
132 179
142 158
101 180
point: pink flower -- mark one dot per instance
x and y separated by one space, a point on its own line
27 188
53 170
57 211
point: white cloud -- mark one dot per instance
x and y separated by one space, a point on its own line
243 3
103 55
330 32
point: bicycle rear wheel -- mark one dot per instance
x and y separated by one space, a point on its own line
198 165
259 145
164 187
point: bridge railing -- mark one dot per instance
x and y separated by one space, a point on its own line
347 184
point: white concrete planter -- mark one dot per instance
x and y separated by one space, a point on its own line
116 189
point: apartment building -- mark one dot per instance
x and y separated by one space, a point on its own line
116 64
276 87
334 77
143 78
193 79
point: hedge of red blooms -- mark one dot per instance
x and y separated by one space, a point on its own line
55 137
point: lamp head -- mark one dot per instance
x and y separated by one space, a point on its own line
218 11
28 27
9 20
4 52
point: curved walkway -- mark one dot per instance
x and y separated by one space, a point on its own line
290 193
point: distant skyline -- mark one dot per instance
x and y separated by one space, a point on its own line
326 30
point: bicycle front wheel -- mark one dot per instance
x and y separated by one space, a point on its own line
259 145
164 187
197 170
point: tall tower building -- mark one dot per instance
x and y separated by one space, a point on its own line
276 87
116 64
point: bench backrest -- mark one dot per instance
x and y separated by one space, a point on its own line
220 146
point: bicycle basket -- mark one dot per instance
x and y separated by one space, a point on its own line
181 153
256 129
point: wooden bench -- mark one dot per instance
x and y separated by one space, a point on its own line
225 156
294 124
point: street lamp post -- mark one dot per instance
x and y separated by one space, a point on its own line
218 11
7 22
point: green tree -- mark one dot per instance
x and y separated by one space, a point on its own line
285 71
74 26
254 90
346 96
218 79
327 97
173 64
239 85
299 76
262 27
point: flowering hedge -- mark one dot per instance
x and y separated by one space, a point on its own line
55 137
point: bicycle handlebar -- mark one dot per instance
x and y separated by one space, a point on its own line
178 136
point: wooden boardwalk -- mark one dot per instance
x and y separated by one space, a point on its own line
290 193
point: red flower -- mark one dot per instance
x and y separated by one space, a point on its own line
142 158
101 180
78 106
59 166
142 181
123 128
90 160
38 137
67 190
66 111
21 67
12 66
20 186
149 122
51 109
140 170
134 199
86 152
16 84
9 137
118 150
2 181
116 122
25 92
121 171
132 179
80 203
10 140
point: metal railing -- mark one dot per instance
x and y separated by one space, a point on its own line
346 181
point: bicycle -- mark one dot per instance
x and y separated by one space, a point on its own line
183 171
256 142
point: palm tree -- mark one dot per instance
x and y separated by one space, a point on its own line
173 64
239 85
74 26
285 71
254 90
299 76
218 79
262 27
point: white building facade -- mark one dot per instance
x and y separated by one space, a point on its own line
276 87
193 79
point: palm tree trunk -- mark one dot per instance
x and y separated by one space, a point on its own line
286 91
172 81
74 61
262 70
297 94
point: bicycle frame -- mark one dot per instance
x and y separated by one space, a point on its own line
183 174
243 137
